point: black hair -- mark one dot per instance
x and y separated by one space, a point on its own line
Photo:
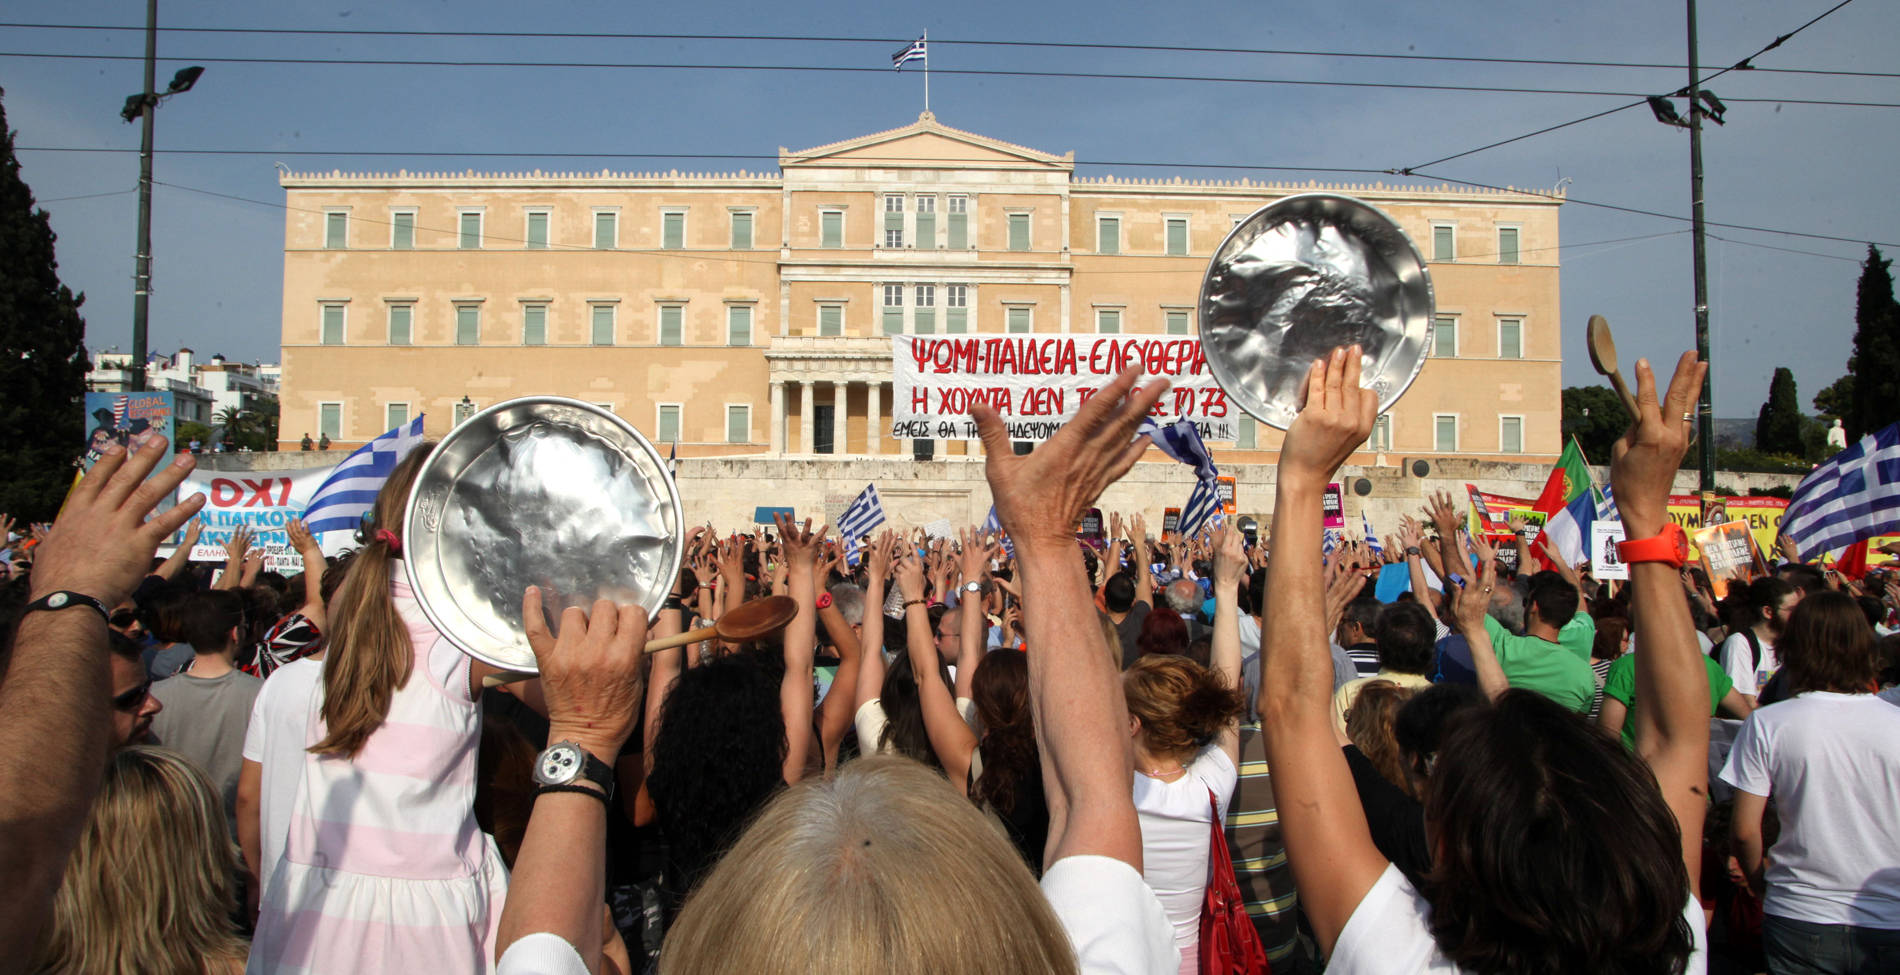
1363 611
904 729
1804 577
1556 600
1420 726
1406 638
1119 593
206 619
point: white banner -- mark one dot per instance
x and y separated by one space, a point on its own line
1039 382
1605 563
263 501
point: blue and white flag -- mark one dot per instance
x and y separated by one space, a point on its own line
1606 506
1855 495
919 50
1181 440
992 525
1329 541
1202 506
1372 538
1568 531
866 513
340 502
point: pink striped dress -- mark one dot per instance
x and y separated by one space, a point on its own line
384 869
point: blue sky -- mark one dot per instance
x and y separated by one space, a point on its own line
1817 169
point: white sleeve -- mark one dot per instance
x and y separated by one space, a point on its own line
1113 918
870 723
1747 765
541 953
1386 932
254 732
966 709
1737 666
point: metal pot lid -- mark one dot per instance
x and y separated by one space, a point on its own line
1305 275
543 491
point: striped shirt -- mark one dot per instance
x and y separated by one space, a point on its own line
1260 867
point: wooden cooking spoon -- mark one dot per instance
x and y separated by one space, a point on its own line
1602 348
747 621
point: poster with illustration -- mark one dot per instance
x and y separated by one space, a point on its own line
128 419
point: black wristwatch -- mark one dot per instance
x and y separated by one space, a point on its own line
1412 551
564 763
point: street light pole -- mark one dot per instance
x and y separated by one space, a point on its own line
1705 414
142 269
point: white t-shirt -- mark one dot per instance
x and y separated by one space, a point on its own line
870 722
1175 830
276 739
1830 764
1739 664
1113 918
541 953
1388 934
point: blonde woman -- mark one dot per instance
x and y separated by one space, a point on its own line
149 889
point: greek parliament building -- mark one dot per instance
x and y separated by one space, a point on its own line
747 313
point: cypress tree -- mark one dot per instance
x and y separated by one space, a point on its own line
1778 425
1875 400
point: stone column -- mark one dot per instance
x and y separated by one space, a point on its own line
806 420
840 395
874 418
776 419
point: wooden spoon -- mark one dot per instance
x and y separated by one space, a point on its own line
747 621
1602 348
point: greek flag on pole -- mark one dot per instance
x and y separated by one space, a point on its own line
1181 440
341 500
866 512
1606 506
1855 495
1372 538
1201 505
919 50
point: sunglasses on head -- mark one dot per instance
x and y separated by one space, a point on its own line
132 700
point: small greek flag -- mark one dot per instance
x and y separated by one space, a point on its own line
993 525
350 491
866 513
1606 506
917 51
1372 538
1330 541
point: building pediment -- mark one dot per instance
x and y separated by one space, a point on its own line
925 143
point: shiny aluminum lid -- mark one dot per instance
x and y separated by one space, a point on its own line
1305 275
544 491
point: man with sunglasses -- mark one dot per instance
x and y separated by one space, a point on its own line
133 704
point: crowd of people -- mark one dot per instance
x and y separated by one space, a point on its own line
993 752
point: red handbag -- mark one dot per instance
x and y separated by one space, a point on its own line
1229 943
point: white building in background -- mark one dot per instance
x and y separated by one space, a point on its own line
200 390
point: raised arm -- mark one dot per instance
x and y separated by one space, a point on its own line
974 566
1414 550
1075 693
1229 559
313 566
1334 860
950 738
835 714
235 548
871 661
1144 575
181 556
1444 516
801 547
1470 604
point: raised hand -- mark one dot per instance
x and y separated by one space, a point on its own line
1334 421
237 545
1229 556
878 567
1645 459
102 544
910 577
590 672
801 544
299 534
975 560
1443 513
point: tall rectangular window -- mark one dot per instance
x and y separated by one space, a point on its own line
672 324
606 230
893 309
1178 323
1177 236
668 426
1445 433
1507 245
1017 320
537 230
831 228
742 230
738 424
603 324
739 325
402 230
1019 231
926 221
893 221
332 324
1443 242
330 420
1511 434
336 230
957 223
1381 437
471 230
956 308
402 319
1108 321
1510 338
830 319
1246 435
534 324
395 415
673 230
925 317
468 324
1445 336
1108 234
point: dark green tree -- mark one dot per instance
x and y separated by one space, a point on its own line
42 354
1833 401
1875 401
1778 425
1595 415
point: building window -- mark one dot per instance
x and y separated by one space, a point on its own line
1108 234
1381 438
1511 434
924 319
1246 434
1445 432
1177 236
1507 245
603 323
893 309
395 415
330 420
893 221
672 324
738 424
471 230
923 450
668 425
402 230
957 223
927 221
831 228
1017 319
402 319
1019 231
739 325
537 230
1443 242
1178 322
534 324
1445 336
332 323
673 230
742 230
1510 338
830 319
606 230
956 308
336 229
1108 321
465 410
468 324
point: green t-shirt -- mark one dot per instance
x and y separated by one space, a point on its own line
1554 670
1620 683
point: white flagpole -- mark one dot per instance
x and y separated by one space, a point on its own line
926 71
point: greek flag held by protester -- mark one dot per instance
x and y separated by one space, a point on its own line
1855 495
340 502
866 513
1181 440
993 525
1202 505
1373 544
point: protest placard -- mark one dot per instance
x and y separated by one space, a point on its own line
127 419
1225 487
1728 555
1605 561
1332 506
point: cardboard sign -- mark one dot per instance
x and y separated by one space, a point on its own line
1605 563
1224 486
941 528
1089 529
1332 507
1729 556
129 420
1170 523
